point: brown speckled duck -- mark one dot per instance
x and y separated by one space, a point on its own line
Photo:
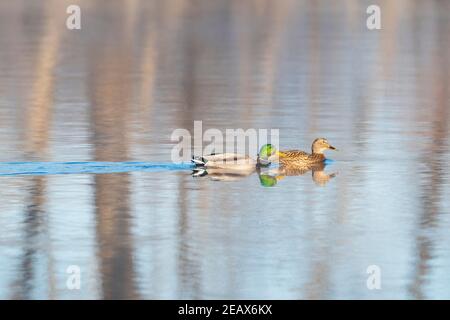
293 158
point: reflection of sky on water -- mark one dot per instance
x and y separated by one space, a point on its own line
115 91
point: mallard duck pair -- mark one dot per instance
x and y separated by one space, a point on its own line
268 153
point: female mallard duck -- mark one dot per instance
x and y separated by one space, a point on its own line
234 161
291 158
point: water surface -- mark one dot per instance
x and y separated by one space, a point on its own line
85 123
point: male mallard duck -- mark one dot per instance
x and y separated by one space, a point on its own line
293 158
234 161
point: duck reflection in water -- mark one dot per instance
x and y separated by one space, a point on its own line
270 177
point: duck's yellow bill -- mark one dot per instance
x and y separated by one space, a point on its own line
281 154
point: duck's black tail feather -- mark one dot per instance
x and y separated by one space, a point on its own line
198 161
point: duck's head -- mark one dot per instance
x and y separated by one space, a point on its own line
320 145
265 153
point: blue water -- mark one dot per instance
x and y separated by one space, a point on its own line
97 167
94 167
139 226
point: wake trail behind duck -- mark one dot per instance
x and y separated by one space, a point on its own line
93 167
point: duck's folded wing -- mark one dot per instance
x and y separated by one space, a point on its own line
225 157
293 154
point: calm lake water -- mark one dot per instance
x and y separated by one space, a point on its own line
86 118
